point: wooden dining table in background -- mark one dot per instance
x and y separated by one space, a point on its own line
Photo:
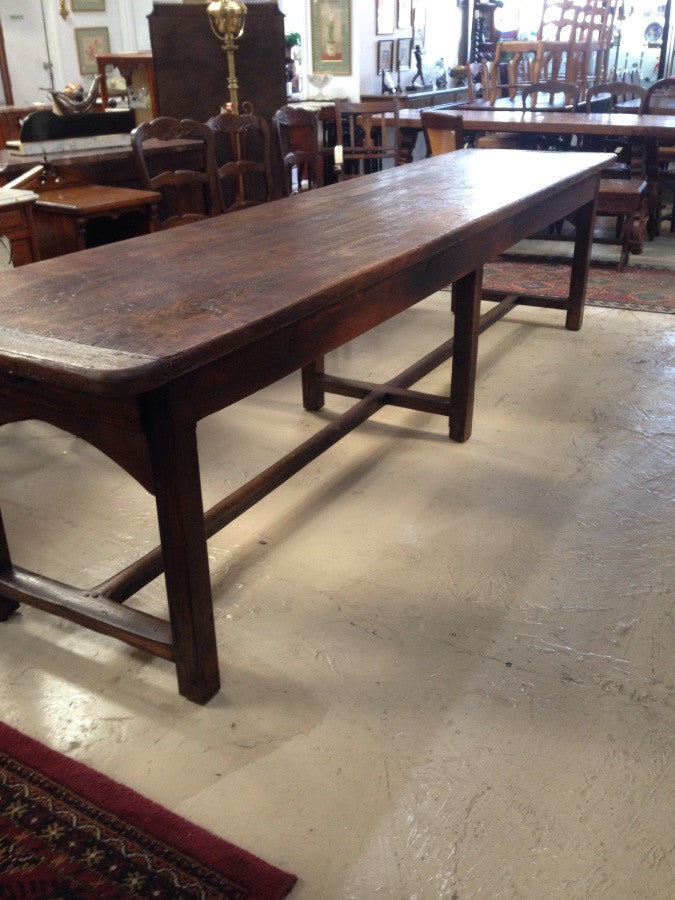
644 130
129 351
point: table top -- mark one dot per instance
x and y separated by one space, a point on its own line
14 196
559 122
93 199
167 303
11 164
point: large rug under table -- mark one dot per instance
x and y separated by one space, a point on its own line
69 832
637 288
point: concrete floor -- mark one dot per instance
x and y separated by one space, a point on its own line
447 669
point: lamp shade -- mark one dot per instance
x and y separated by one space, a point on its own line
227 18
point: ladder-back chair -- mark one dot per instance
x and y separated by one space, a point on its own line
175 158
242 148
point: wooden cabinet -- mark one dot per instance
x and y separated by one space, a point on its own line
191 68
72 214
17 224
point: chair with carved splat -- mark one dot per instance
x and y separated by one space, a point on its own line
242 147
175 158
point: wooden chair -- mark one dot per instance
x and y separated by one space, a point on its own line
551 95
371 135
629 160
443 132
175 158
557 96
617 92
660 99
623 190
303 158
242 148
627 200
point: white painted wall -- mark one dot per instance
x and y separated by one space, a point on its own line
442 41
126 20
28 50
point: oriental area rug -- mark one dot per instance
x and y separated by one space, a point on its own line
636 288
70 833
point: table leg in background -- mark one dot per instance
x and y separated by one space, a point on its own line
466 295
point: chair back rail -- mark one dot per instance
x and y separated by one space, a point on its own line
242 148
370 135
175 157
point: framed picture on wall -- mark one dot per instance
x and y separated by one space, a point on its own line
419 23
89 42
87 5
403 51
331 37
404 19
385 56
385 16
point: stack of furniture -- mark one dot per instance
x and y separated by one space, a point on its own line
573 43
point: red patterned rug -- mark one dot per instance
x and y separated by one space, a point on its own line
69 833
636 288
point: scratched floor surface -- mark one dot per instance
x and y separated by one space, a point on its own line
447 669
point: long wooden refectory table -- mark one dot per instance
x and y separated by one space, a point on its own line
128 351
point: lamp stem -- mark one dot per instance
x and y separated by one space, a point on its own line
232 83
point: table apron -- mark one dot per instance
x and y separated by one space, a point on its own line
255 366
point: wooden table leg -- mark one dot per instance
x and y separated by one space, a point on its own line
7 607
313 394
172 441
584 221
466 295
408 139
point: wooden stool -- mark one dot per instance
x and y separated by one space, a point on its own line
627 198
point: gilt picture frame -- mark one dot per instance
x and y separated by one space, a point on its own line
332 37
89 42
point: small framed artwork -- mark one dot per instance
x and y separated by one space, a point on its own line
403 50
331 37
89 42
419 23
404 14
87 5
385 56
385 12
